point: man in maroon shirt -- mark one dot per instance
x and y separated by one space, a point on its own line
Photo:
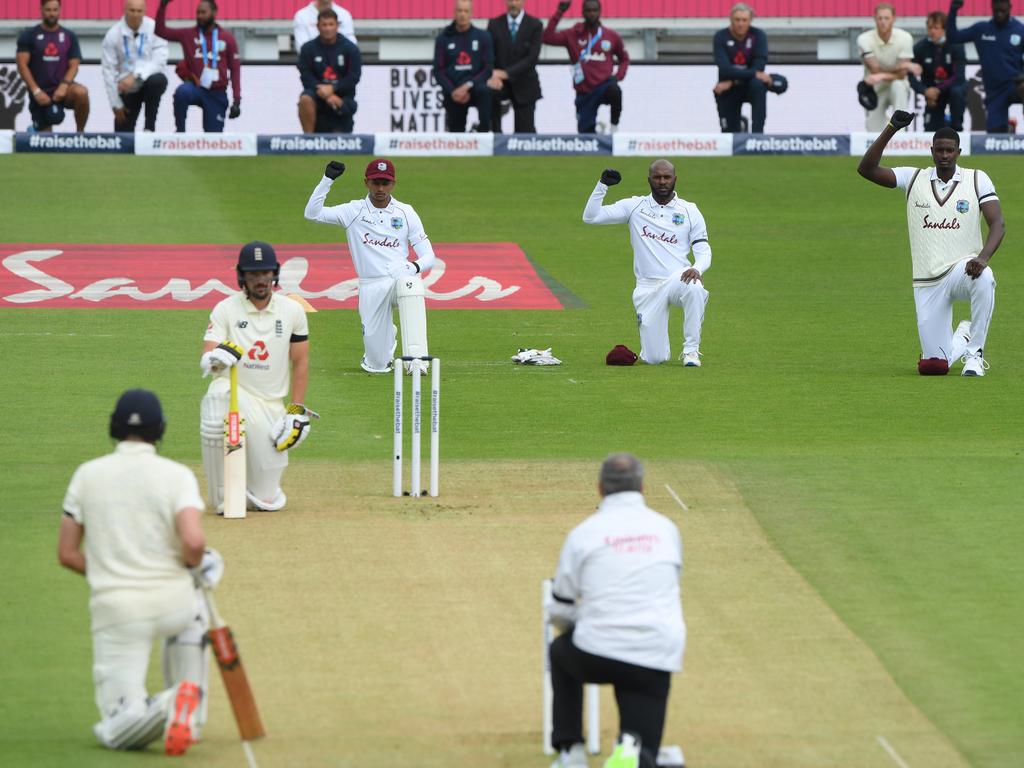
594 51
48 57
210 56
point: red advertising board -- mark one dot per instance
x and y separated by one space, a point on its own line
74 276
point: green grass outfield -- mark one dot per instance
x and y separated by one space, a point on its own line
896 498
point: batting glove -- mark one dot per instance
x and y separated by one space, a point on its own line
610 177
901 119
334 170
224 355
292 428
400 269
210 570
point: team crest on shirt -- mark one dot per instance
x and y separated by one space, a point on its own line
962 206
606 45
243 323
278 328
396 223
1014 39
678 218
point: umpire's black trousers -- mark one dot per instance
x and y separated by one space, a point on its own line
641 694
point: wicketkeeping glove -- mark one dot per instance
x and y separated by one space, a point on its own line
224 355
292 428
334 169
610 177
901 119
210 569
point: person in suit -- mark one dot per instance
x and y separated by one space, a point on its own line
516 37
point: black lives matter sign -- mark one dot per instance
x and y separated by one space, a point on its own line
417 101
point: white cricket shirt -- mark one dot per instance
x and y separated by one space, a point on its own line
376 236
622 566
662 236
304 26
888 54
128 501
943 217
266 335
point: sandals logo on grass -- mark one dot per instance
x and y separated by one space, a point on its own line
71 276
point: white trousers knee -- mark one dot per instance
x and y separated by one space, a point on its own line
376 302
652 300
892 95
935 310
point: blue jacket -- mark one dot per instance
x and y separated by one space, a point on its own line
942 66
463 56
740 59
340 64
999 49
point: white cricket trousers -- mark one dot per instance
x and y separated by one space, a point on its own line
121 656
935 310
376 301
652 299
894 94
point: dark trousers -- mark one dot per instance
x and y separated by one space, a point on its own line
753 92
587 105
997 106
935 117
455 114
149 95
213 103
640 693
524 111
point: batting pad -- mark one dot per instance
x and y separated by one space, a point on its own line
412 316
213 409
185 658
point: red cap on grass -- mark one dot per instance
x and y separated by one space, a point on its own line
620 354
380 169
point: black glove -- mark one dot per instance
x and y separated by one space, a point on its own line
235 111
164 3
610 177
956 5
901 119
564 6
334 169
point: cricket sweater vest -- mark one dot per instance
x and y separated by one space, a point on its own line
943 230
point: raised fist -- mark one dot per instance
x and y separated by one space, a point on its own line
956 5
901 119
564 6
334 169
610 177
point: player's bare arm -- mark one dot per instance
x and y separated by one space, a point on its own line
190 531
993 214
298 354
69 545
870 167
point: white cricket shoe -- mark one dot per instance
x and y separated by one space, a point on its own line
974 364
690 359
574 757
961 336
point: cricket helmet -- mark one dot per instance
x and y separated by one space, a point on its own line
257 256
138 413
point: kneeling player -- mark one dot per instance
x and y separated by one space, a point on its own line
131 527
267 337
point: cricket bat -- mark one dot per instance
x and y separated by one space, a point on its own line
234 455
233 674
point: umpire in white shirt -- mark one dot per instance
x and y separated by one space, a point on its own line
616 593
133 61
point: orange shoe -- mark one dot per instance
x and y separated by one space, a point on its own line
179 728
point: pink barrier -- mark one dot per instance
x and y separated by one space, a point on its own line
442 9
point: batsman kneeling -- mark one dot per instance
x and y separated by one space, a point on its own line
380 231
132 527
259 339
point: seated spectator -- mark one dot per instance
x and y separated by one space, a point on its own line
741 53
463 63
330 66
48 57
599 63
305 26
133 61
943 81
210 58
888 54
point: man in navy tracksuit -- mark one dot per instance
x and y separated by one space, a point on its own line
330 65
1000 45
942 81
463 62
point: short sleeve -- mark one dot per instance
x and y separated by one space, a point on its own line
865 45
187 492
73 497
25 44
904 175
986 189
217 329
74 52
300 323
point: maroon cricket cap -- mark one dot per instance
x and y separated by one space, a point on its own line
380 169
620 354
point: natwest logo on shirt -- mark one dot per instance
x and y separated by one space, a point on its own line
258 351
